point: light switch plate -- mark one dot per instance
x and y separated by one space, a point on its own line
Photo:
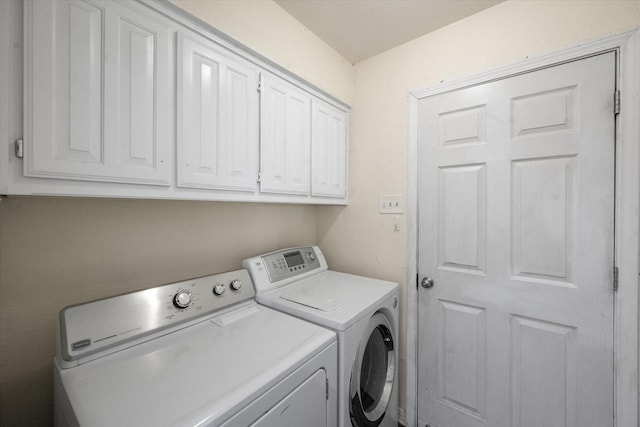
392 204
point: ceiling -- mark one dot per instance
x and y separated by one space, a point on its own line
359 29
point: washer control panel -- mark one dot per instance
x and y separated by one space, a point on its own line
96 326
290 262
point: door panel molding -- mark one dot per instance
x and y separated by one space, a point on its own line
627 204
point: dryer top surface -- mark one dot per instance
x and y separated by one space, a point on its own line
332 299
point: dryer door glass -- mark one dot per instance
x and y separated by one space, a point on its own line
372 374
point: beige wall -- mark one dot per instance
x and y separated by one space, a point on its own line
60 251
360 240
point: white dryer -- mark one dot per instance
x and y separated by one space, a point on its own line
363 312
195 353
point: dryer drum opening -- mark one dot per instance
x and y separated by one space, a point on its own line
372 374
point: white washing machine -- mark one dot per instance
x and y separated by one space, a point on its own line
195 353
362 311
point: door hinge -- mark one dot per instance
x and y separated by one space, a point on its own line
615 278
616 102
19 147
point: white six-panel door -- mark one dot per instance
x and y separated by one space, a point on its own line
516 204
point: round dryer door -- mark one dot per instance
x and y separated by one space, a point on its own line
372 374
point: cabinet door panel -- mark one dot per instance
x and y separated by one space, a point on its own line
138 96
136 90
217 118
329 151
240 128
84 84
286 138
103 113
63 92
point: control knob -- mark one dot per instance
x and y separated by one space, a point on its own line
219 289
182 299
236 284
312 256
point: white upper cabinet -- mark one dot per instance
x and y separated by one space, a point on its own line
329 151
136 99
218 117
285 137
98 103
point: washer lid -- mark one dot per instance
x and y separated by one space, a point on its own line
349 298
201 374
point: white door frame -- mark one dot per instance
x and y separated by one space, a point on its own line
627 204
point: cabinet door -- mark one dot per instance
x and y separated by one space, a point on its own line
97 93
217 117
329 151
285 138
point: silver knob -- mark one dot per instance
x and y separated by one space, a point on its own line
219 289
312 256
236 284
182 299
427 282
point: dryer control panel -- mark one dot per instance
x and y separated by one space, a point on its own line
281 267
290 262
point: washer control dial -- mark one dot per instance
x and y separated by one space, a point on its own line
219 289
236 284
312 256
182 299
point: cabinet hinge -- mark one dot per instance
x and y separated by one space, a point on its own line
615 278
260 83
417 280
19 147
616 102
259 178
326 385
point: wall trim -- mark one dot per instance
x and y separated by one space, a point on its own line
627 205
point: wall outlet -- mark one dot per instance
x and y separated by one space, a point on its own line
392 204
